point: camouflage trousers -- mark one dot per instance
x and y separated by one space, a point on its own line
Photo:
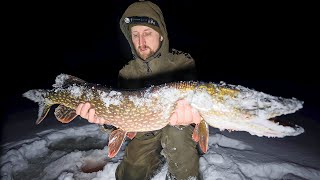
143 155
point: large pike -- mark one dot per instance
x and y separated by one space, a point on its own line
221 105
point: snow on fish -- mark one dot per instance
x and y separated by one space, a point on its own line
223 106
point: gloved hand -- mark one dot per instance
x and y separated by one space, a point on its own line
184 114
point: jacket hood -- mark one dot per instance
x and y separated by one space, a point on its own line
150 10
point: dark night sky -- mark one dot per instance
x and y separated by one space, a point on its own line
267 47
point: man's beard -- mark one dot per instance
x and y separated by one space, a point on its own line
145 56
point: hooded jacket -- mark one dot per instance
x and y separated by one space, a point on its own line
164 66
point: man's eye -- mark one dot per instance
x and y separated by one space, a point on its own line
134 35
147 33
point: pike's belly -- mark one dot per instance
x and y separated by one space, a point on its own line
137 119
141 126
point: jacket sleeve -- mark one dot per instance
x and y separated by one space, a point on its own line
125 83
186 68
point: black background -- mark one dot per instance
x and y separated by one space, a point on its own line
270 47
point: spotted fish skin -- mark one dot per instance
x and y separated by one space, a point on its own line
221 105
114 106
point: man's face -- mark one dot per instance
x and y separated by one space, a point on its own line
146 40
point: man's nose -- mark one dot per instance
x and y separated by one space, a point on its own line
142 40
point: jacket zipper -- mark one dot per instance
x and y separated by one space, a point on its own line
148 68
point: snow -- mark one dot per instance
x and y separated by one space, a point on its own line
78 150
60 80
111 98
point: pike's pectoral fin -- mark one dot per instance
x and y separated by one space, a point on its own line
64 114
131 135
116 139
201 135
43 111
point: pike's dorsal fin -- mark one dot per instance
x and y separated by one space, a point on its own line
64 114
116 139
131 135
65 79
43 111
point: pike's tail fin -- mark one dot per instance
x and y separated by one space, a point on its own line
38 95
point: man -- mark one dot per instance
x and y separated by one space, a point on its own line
144 27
